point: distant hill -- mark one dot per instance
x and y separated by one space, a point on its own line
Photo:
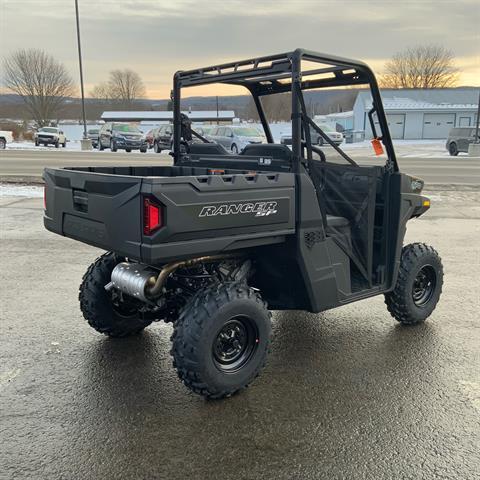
317 101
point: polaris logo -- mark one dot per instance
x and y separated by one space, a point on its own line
258 209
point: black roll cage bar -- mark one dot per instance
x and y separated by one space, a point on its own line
283 73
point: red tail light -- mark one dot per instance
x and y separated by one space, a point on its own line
152 216
45 197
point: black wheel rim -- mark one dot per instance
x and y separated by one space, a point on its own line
424 286
235 344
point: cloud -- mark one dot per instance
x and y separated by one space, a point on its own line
159 37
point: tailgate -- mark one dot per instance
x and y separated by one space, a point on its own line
99 209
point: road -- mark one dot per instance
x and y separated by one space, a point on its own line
347 394
28 164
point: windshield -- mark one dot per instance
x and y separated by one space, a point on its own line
49 130
126 128
326 127
247 132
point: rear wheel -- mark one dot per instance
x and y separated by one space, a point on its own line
64 144
419 285
156 148
220 340
57 144
3 144
453 149
105 312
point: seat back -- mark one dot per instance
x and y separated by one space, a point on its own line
276 151
211 148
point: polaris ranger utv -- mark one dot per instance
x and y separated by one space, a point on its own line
217 240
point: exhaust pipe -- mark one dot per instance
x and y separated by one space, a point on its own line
142 282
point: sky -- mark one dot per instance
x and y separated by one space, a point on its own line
158 37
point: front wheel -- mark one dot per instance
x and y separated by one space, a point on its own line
220 340
156 148
3 144
107 312
57 144
419 285
113 146
234 149
64 144
453 149
143 150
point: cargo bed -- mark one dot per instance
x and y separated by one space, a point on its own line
201 211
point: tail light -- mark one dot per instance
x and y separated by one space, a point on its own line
152 216
45 197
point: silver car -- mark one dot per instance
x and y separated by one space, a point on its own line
459 139
236 137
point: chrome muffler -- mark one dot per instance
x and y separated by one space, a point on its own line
143 282
132 279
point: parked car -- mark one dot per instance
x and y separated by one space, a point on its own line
6 136
123 136
236 137
92 134
50 136
317 139
150 136
459 139
163 138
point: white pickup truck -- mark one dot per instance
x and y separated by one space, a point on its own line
6 136
50 135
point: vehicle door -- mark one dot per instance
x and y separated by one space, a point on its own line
228 138
220 136
463 139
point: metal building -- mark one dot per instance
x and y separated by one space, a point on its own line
420 114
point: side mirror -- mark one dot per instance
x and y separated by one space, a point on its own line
60 132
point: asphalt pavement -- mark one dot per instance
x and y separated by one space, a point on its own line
346 394
27 165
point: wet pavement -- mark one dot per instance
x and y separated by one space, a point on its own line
346 394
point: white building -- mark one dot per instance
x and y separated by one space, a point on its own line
415 113
154 117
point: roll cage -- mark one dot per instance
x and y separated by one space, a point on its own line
283 73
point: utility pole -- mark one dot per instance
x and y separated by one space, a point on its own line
474 148
217 110
86 143
477 140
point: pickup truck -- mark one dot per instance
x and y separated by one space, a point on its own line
6 136
50 136
217 240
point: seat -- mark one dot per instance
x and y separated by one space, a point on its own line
211 148
336 222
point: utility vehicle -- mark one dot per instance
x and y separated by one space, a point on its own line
217 240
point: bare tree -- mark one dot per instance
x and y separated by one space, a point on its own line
41 81
101 92
123 88
424 66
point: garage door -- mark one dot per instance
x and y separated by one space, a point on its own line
396 125
437 125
